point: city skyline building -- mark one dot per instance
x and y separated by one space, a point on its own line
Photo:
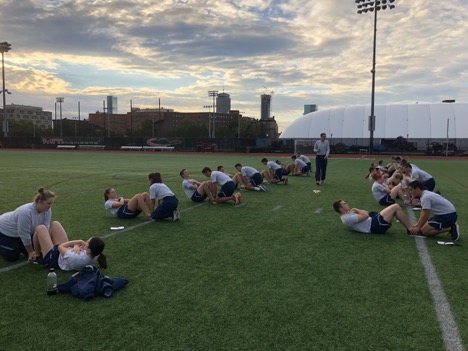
265 107
310 108
112 105
223 103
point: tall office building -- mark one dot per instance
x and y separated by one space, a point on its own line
265 107
112 105
223 103
310 108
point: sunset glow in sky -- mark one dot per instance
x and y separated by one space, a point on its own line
305 52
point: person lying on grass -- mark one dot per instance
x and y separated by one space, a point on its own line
127 208
370 222
58 252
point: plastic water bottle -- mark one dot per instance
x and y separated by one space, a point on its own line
51 282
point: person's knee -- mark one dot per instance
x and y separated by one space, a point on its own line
41 228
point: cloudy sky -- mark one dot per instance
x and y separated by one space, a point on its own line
304 51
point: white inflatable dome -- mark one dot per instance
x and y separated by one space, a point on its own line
410 121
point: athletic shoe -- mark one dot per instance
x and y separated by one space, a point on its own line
175 215
263 188
455 232
318 183
308 173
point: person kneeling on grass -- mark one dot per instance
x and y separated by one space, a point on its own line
195 190
58 252
300 167
167 202
444 213
226 193
274 174
127 208
18 227
363 221
249 178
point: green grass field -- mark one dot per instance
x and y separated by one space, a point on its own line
279 272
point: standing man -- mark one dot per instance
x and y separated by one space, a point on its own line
322 149
444 213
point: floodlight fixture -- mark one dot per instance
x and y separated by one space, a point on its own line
375 7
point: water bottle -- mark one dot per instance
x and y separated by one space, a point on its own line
51 282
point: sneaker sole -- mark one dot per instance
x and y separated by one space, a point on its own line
457 228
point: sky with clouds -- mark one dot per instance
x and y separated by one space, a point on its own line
305 52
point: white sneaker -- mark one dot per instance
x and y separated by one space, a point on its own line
175 215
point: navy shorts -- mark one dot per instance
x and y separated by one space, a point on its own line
379 225
443 221
125 213
11 248
278 174
305 169
386 200
51 258
256 179
227 189
196 197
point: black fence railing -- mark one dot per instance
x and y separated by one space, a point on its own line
338 146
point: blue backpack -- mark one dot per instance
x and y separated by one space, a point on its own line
89 283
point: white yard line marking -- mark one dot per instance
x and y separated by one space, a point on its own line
277 207
447 324
18 265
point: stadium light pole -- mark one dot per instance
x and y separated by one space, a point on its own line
365 6
209 119
214 94
60 100
131 118
4 47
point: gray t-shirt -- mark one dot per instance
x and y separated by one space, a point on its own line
248 171
159 191
22 222
436 203
352 222
186 185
